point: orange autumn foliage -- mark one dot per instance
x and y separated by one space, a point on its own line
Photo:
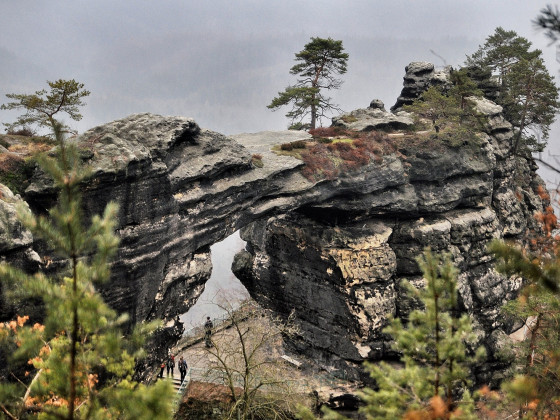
436 410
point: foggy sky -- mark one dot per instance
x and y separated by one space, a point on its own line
221 61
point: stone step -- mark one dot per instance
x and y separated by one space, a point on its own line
176 382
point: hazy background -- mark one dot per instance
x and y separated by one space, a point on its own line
222 289
222 61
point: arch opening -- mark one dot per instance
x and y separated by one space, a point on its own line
221 285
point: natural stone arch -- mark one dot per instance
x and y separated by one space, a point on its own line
182 188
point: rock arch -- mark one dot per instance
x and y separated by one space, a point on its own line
333 250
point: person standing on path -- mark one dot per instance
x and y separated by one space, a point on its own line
182 368
172 362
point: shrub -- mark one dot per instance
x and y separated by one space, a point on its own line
340 146
355 157
299 126
327 158
299 144
348 118
24 131
327 132
376 143
256 160
360 143
318 164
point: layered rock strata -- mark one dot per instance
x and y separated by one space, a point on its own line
16 248
339 264
333 250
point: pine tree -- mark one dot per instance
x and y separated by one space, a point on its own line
41 107
441 110
549 20
531 101
463 86
536 383
527 91
317 65
500 52
451 114
435 353
535 386
83 365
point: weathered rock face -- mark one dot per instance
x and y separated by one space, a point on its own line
162 172
419 77
339 263
334 251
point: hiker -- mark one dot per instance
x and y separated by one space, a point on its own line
172 358
170 364
208 325
183 368
161 371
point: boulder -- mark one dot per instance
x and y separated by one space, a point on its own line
370 119
377 104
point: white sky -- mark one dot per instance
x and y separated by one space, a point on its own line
222 61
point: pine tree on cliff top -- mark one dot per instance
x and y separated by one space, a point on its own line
41 107
527 91
317 65
80 363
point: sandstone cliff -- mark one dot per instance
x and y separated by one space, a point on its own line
338 263
334 250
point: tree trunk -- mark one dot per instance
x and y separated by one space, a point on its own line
313 114
314 84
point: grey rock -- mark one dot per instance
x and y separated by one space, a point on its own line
371 119
13 234
419 68
377 104
486 107
419 77
16 248
452 200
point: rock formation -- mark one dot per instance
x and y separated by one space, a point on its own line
333 251
338 264
16 247
374 118
419 77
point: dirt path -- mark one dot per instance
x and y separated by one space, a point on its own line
305 374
